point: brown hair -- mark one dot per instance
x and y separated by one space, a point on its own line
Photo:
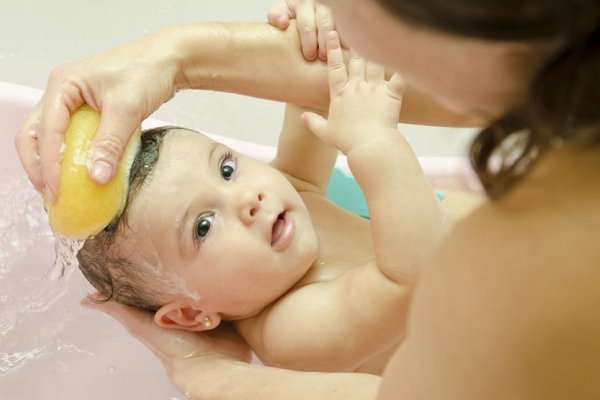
564 97
101 260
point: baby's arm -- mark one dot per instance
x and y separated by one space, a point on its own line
302 156
338 324
407 221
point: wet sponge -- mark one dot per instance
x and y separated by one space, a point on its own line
83 207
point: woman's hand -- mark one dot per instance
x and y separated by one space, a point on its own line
126 85
216 364
314 22
363 105
176 348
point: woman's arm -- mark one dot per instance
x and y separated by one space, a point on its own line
259 60
130 82
215 365
219 378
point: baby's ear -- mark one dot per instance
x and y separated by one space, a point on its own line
180 314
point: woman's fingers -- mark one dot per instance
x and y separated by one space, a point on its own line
63 96
26 142
324 26
313 21
279 15
117 124
173 345
338 76
54 123
168 345
307 28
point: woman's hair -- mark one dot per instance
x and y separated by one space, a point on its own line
564 98
101 260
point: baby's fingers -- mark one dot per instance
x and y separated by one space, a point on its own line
396 86
375 73
316 123
335 62
356 67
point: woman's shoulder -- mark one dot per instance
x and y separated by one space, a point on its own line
515 285
549 222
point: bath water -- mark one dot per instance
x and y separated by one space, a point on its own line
50 346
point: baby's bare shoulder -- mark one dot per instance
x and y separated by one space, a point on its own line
302 329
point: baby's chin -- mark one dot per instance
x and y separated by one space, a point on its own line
308 249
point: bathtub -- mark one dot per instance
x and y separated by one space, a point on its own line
51 347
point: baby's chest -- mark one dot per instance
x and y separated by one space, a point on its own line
344 241
336 227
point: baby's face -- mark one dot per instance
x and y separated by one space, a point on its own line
233 229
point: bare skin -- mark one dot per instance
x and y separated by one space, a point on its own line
267 64
354 281
507 308
554 334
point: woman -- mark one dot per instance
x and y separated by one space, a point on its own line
508 308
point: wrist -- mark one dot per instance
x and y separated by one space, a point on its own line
197 53
207 377
253 59
368 148
168 48
379 160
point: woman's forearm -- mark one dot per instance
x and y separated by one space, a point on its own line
220 378
258 60
253 59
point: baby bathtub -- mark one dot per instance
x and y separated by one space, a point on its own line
52 348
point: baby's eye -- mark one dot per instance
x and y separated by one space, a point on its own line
227 167
202 226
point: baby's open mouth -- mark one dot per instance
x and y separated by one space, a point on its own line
278 228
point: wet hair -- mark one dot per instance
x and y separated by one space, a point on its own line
563 99
102 261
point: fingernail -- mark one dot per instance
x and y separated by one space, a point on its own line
101 171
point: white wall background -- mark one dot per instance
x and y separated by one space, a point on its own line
36 35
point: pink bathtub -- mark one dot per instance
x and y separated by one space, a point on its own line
51 347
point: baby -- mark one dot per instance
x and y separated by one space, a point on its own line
210 235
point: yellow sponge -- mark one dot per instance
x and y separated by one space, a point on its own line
83 207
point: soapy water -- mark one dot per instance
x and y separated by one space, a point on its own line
29 285
46 337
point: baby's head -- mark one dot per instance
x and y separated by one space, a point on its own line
207 234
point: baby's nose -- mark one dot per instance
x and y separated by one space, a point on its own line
249 204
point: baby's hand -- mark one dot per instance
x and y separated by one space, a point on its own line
363 105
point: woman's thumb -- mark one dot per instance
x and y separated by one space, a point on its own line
108 146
